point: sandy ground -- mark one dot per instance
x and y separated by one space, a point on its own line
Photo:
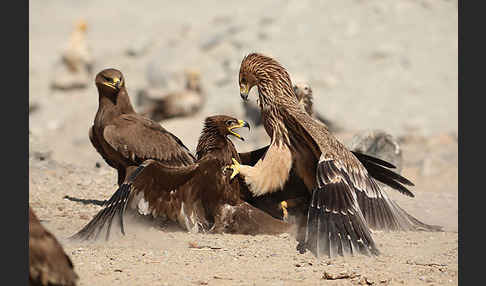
372 64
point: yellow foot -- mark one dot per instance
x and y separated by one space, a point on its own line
283 206
235 167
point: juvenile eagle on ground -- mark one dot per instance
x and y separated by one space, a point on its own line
48 263
200 197
345 200
159 105
305 97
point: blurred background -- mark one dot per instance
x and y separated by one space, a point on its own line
387 65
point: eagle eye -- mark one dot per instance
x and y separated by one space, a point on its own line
228 122
107 78
243 80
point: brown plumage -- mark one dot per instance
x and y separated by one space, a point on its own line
305 98
199 197
160 105
124 138
341 184
48 263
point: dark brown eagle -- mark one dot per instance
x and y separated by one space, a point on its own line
200 197
126 139
48 263
344 198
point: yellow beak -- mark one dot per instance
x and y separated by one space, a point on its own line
240 124
115 84
244 91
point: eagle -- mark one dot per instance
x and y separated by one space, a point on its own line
200 197
73 70
48 263
344 199
77 54
303 91
124 138
160 105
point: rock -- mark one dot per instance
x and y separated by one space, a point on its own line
64 79
341 275
379 144
38 150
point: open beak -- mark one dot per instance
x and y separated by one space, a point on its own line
240 124
244 92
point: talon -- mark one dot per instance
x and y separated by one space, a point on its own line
235 167
283 206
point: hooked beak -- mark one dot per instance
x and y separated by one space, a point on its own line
241 123
244 92
116 84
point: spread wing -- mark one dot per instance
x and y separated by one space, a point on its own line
138 138
48 263
380 212
376 169
335 223
346 199
152 180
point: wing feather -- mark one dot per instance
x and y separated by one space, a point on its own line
153 179
138 138
341 228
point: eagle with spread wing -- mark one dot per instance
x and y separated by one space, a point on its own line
200 196
344 197
48 263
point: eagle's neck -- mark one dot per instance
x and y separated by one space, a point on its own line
213 143
275 94
111 106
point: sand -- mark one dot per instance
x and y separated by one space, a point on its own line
372 65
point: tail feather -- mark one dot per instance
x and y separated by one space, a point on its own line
414 223
375 168
115 205
367 158
382 213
